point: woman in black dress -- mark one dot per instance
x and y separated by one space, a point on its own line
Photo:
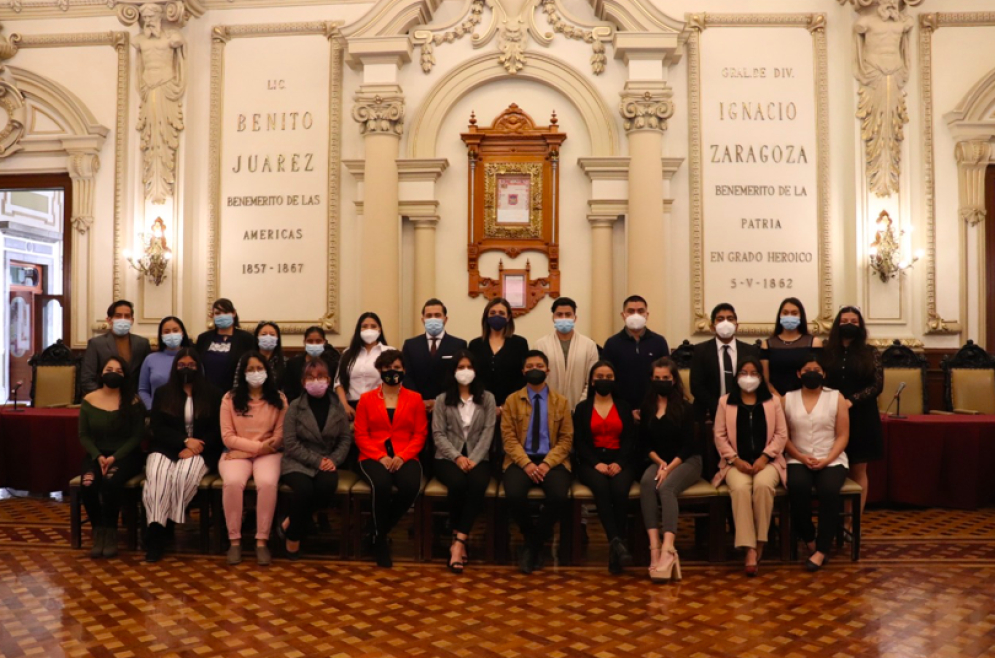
498 352
784 353
854 369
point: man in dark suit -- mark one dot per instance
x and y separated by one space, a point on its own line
120 342
716 362
427 356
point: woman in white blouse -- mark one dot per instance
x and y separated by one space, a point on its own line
818 430
357 372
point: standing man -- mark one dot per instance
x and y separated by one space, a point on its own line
633 350
427 356
571 354
715 362
119 341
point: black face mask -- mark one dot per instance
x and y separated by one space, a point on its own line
535 377
663 387
604 386
849 331
187 375
112 379
392 377
812 380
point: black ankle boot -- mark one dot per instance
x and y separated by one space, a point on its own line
381 551
155 539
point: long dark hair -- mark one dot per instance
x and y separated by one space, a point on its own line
186 337
129 395
451 386
677 404
763 391
225 305
861 353
278 350
240 391
803 327
509 329
590 376
356 344
174 397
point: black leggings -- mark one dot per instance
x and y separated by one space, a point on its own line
611 495
466 491
389 507
102 497
309 494
827 483
556 487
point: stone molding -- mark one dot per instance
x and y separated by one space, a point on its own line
646 106
379 110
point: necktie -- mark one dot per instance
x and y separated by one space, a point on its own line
536 422
434 347
729 378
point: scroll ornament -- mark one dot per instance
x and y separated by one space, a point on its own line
14 116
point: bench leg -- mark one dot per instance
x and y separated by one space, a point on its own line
785 528
716 529
129 514
855 546
218 518
75 518
346 527
576 512
490 540
204 505
428 528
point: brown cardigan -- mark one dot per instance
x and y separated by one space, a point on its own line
725 436
515 416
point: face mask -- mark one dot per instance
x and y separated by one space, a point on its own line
725 329
564 325
663 387
465 377
535 377
790 322
256 379
497 322
112 379
391 377
187 375
604 386
635 322
316 389
172 341
314 350
434 327
268 342
812 380
369 336
849 331
224 320
121 327
749 383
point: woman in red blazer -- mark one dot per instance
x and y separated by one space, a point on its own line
391 427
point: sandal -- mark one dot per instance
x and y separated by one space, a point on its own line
654 549
457 566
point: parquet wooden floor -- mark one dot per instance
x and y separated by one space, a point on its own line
925 588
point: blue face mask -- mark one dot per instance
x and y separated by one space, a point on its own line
434 326
314 350
268 342
172 341
790 322
224 320
121 327
564 325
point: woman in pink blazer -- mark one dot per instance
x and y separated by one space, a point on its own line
750 434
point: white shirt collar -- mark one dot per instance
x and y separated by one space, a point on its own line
731 345
438 338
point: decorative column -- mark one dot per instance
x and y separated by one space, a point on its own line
602 314
424 283
83 167
973 158
379 110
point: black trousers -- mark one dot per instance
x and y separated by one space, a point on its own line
611 495
556 487
467 491
309 494
102 497
827 483
389 507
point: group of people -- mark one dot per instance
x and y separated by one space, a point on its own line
796 411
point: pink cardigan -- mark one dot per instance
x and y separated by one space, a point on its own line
725 436
247 433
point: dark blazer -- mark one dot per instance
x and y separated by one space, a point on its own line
584 439
241 342
423 373
169 431
502 372
407 433
705 384
304 443
448 434
294 372
101 348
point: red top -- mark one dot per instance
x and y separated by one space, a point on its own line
407 432
606 431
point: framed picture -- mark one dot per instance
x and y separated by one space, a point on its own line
513 289
514 191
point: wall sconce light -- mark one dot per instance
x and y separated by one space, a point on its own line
886 258
156 254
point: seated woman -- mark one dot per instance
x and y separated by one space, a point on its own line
391 427
463 428
316 440
666 434
606 445
252 416
111 426
818 429
750 433
186 444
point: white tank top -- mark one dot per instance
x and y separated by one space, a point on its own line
813 433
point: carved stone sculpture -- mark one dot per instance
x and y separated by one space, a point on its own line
14 108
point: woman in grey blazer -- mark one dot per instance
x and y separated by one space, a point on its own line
316 440
463 429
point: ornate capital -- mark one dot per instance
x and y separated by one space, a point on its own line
380 112
646 109
973 158
173 11
83 167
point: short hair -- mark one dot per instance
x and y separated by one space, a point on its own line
634 298
387 358
315 368
533 354
563 301
120 302
724 306
434 302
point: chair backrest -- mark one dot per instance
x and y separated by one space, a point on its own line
682 356
903 365
969 380
686 380
55 376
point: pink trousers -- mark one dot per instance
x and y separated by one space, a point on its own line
265 471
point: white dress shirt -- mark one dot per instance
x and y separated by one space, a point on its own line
466 410
732 355
814 433
363 376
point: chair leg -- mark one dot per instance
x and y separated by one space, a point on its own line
75 518
345 521
427 529
490 540
785 528
855 546
129 514
218 517
576 511
204 505
716 528
566 538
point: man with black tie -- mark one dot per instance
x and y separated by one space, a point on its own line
715 362
427 356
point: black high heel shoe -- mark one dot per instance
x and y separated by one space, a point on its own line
457 566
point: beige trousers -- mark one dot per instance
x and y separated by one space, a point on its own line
752 504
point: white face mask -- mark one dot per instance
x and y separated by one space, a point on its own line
369 336
635 322
725 330
749 383
465 377
255 379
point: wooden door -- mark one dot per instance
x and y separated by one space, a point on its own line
24 332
